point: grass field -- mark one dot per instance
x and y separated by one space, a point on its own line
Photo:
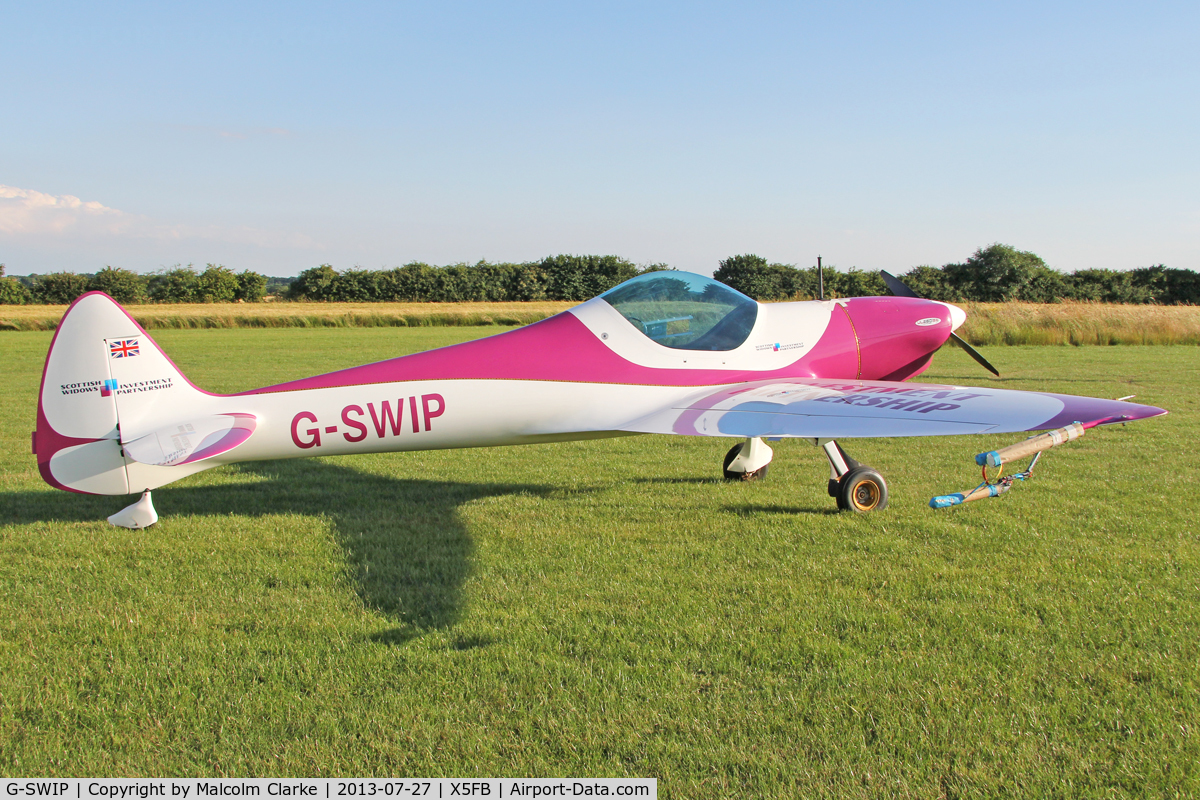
611 608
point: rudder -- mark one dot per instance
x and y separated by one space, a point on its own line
104 377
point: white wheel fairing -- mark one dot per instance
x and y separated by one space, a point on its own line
137 516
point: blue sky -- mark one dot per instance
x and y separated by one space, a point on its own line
880 135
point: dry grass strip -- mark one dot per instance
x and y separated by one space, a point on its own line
300 315
1079 324
987 323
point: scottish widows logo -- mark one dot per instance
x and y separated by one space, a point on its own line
108 388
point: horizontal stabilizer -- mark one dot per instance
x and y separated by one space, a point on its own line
190 441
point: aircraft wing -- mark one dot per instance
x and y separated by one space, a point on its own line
846 409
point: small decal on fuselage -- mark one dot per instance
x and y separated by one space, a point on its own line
110 386
776 346
136 387
123 348
928 321
82 387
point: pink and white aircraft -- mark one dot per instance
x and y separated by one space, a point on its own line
666 352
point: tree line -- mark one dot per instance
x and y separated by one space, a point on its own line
560 277
996 273
215 284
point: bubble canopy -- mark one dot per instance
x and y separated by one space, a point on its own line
685 311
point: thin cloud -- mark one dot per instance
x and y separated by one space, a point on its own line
238 134
30 214
28 211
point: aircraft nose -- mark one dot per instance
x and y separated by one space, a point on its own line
957 316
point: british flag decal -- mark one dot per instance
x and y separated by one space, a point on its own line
123 348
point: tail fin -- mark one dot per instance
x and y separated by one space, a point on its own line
108 393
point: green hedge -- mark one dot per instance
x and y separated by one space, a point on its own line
216 284
992 274
559 277
997 273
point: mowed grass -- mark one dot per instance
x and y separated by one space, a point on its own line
611 608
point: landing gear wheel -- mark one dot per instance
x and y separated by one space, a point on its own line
862 489
758 474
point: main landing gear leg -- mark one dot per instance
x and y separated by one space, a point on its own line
857 487
747 461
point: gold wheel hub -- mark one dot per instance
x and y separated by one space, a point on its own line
865 495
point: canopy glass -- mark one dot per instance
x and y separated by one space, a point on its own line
685 311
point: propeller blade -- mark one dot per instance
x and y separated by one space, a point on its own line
896 286
973 353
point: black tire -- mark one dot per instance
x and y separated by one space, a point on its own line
862 489
851 465
758 474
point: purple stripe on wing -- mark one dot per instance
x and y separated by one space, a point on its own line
1089 409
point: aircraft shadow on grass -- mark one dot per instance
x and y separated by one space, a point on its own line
750 510
745 509
408 551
